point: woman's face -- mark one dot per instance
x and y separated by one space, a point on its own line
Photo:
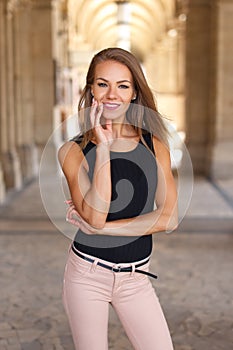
113 86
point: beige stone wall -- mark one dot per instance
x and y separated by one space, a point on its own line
3 114
42 70
26 89
222 158
209 85
165 69
198 66
11 174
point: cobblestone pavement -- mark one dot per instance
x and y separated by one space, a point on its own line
194 285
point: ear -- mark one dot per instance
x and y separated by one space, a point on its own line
134 97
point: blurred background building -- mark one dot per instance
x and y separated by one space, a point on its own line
184 46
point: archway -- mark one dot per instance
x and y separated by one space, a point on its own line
153 30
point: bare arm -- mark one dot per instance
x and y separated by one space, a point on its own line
91 200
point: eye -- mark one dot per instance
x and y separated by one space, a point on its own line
102 84
123 86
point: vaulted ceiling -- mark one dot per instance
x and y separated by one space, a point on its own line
94 24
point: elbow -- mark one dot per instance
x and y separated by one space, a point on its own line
171 228
97 221
95 213
98 225
167 221
94 218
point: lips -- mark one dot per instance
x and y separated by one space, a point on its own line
111 106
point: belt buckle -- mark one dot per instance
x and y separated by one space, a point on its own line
116 268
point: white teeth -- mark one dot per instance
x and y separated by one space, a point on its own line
111 104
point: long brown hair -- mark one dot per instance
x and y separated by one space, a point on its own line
142 113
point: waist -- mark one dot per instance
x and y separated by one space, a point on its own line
110 263
118 251
120 267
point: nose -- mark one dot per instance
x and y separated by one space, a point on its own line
111 93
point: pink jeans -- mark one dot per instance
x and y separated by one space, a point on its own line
88 289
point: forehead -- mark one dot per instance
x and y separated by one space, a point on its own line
112 70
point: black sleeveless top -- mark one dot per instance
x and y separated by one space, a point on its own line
134 182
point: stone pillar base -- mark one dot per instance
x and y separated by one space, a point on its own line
222 161
48 159
198 158
2 187
28 160
11 170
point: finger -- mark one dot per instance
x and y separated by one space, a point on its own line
99 114
73 222
68 216
69 202
70 205
93 113
108 125
71 213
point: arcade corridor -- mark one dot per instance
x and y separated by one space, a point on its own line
185 48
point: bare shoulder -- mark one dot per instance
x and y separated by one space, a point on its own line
69 151
162 153
161 149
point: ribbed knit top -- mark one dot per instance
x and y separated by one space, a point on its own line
134 182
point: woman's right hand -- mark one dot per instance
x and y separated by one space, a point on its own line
103 134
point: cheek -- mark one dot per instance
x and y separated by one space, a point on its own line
98 93
128 96
125 94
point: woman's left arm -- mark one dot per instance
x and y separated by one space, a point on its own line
163 218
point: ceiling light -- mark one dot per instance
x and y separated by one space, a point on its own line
172 33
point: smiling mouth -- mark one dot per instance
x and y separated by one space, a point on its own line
111 106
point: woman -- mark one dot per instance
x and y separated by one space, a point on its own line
116 170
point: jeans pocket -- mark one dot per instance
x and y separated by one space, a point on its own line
76 268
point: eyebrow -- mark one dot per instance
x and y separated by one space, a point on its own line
120 81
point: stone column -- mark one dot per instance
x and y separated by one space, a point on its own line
222 140
26 88
10 159
198 80
24 108
3 114
42 70
165 75
18 39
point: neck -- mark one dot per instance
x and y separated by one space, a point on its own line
121 129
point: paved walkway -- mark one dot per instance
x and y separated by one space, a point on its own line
194 268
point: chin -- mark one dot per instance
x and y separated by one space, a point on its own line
118 113
112 115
